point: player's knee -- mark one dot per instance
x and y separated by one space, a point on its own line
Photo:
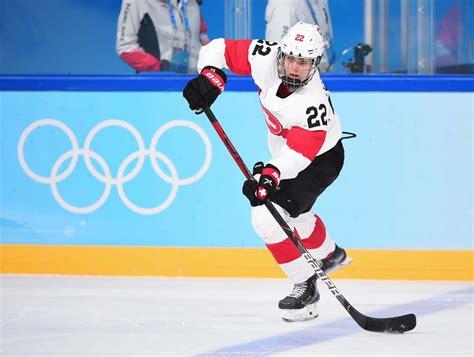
266 226
261 220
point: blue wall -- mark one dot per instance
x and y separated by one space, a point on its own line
406 184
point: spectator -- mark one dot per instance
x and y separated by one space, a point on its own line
161 35
448 39
280 15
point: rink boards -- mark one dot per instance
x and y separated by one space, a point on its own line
226 262
125 180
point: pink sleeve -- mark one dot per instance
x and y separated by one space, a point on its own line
203 28
141 61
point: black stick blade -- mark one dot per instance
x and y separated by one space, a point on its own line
398 324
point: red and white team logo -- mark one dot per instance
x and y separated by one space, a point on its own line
273 124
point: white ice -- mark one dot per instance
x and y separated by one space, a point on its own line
132 316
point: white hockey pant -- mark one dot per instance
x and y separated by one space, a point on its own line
308 226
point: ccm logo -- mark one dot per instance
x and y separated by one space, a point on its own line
215 80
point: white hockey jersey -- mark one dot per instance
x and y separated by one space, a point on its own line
302 125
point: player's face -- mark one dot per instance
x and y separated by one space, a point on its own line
297 68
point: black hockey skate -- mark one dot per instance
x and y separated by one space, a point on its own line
300 305
337 260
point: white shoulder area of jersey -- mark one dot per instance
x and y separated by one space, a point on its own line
212 54
262 57
263 49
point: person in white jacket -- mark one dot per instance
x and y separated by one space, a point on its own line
161 35
280 15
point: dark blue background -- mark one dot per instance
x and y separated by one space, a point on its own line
78 36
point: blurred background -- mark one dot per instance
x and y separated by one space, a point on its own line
372 36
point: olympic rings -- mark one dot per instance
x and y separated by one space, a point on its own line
106 177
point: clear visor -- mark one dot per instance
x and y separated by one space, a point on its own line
295 71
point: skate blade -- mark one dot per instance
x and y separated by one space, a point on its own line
295 315
342 264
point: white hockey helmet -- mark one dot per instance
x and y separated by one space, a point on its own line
302 41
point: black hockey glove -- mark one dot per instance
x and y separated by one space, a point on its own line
268 179
165 66
203 90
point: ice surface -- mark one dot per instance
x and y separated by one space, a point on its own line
116 316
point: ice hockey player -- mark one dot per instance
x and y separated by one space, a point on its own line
305 144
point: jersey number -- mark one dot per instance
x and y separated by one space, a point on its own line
313 112
263 48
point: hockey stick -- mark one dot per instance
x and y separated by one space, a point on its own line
398 324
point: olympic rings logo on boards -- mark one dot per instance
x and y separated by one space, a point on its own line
107 178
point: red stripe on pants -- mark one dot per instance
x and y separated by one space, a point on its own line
284 251
317 236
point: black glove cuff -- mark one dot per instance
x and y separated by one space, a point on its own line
218 71
258 168
165 66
